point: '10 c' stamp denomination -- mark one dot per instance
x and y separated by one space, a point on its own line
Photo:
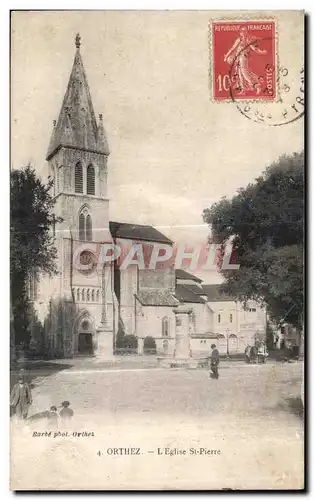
244 60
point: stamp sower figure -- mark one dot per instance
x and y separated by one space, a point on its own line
66 413
21 397
214 361
239 55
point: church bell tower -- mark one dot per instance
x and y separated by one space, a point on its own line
77 158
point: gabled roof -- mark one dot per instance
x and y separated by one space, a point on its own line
195 288
184 275
76 126
137 232
185 294
214 294
156 297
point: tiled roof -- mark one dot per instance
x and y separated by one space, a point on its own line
197 289
137 232
184 275
76 126
214 294
156 297
185 294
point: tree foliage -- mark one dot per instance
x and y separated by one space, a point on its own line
31 241
264 221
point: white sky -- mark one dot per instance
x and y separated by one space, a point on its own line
173 151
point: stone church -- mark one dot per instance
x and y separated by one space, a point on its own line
82 309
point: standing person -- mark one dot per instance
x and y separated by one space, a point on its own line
247 354
21 397
214 361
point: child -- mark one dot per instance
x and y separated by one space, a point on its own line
66 413
52 416
21 397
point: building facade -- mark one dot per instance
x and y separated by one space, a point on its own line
89 301
236 327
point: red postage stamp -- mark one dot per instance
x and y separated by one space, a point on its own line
244 62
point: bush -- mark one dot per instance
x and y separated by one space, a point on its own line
150 345
130 342
126 344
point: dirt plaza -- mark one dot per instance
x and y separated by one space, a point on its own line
246 429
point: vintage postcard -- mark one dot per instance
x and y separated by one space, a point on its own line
157 198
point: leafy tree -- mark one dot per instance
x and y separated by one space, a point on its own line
264 222
31 242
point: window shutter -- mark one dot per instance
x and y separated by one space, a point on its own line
90 180
78 178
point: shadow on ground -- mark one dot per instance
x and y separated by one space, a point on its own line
293 405
296 406
35 370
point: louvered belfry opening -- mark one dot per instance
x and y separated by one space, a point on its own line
78 178
90 179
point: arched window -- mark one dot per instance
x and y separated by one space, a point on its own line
231 318
83 294
165 327
87 295
78 178
85 225
233 342
97 295
82 227
78 294
219 318
93 295
90 179
89 228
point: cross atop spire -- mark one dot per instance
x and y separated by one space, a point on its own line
78 40
76 126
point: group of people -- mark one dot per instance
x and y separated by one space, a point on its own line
53 416
21 400
256 353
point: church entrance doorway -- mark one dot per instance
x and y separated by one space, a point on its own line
85 343
86 337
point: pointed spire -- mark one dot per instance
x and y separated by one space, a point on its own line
101 136
76 126
51 143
